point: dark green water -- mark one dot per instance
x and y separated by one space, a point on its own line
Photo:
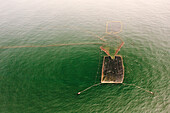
47 79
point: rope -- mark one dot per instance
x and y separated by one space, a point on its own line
122 83
119 48
8 47
101 47
139 88
107 23
88 88
98 66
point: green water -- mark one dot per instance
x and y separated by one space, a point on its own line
36 80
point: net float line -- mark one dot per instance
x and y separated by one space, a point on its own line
56 45
119 48
88 88
107 24
139 88
101 47
122 43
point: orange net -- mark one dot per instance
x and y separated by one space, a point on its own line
114 42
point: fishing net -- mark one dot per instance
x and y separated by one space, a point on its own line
112 46
112 69
113 27
113 41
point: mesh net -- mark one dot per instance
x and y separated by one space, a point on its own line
113 42
112 45
113 27
112 69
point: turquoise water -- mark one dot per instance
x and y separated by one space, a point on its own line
47 79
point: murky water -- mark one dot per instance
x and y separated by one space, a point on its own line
46 79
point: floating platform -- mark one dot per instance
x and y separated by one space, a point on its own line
112 70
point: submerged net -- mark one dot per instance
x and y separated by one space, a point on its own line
112 69
113 27
114 42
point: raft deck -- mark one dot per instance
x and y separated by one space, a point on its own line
112 70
